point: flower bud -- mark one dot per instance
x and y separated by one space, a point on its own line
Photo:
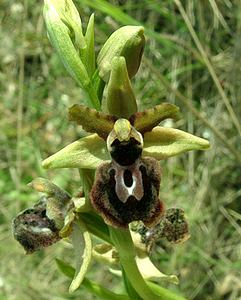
65 33
121 101
128 41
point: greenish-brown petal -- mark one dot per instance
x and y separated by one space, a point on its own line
87 153
92 120
146 120
162 143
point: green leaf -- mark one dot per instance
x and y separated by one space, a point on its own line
162 142
149 118
83 248
65 268
86 153
92 120
127 41
121 101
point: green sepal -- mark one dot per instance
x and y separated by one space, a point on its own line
92 120
86 153
82 245
128 286
146 120
121 101
162 143
127 41
60 28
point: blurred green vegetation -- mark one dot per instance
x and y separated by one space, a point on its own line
192 59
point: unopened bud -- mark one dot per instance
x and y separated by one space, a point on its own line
121 101
128 41
65 33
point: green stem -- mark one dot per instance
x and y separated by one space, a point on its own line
129 288
123 243
96 226
146 290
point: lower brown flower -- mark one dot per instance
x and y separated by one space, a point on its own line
33 229
122 194
173 226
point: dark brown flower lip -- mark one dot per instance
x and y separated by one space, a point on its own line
119 213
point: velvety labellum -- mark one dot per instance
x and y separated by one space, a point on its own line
125 197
